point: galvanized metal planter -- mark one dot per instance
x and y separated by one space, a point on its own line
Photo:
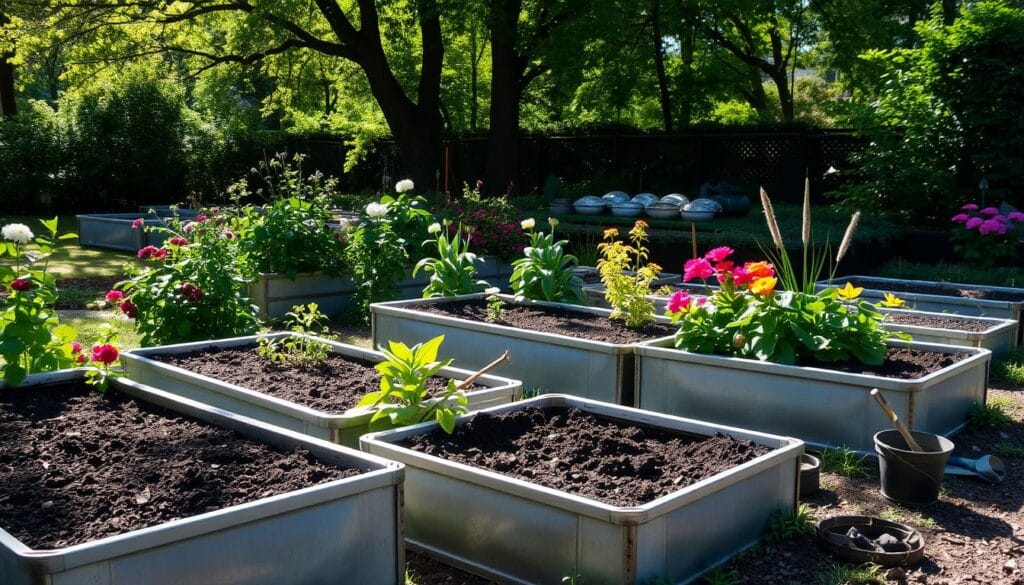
344 428
515 531
546 361
999 337
876 289
825 408
349 529
276 294
114 230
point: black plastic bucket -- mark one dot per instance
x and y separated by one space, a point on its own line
911 477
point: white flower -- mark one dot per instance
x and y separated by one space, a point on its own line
553 222
435 228
404 185
376 210
528 224
17 233
493 290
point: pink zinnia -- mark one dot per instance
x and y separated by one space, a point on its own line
114 296
988 226
719 254
106 353
990 211
129 308
1015 216
697 268
740 276
147 252
974 222
138 223
678 302
961 218
970 207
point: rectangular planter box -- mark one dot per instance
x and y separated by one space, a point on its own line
114 230
344 428
515 531
823 407
276 294
999 337
350 527
546 361
876 289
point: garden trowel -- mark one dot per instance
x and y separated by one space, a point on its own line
987 467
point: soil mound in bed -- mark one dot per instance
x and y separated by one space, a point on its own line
939 288
904 363
333 386
940 322
76 466
578 324
614 462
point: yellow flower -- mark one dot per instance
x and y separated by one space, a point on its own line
553 222
611 233
849 292
763 286
892 301
527 224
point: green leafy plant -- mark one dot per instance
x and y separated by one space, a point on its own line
845 462
574 578
1005 449
626 277
453 271
495 306
307 323
993 414
544 273
99 368
866 574
190 289
403 398
719 576
785 525
1010 371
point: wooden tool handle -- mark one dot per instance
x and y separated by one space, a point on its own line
895 420
468 381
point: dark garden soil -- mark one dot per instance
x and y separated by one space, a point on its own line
938 321
578 324
570 450
938 289
77 466
900 362
974 534
424 569
332 386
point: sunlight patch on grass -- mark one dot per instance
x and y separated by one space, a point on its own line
88 325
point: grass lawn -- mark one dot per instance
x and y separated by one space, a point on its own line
88 323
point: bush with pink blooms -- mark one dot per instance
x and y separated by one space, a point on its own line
987 238
190 289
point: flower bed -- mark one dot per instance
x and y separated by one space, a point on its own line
184 494
316 400
498 523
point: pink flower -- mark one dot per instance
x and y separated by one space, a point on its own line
129 308
741 277
106 353
1015 216
178 241
990 211
697 268
188 227
970 207
191 292
160 254
76 348
990 225
201 218
114 296
679 302
974 222
719 254
961 218
80 358
138 223
21 285
147 252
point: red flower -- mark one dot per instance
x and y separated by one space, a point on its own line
114 296
80 358
138 223
201 218
147 252
160 254
179 241
76 347
191 292
129 308
105 354
21 285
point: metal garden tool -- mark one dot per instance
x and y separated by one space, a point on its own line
986 467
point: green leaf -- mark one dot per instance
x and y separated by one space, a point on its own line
446 418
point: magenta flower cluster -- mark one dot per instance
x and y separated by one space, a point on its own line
988 220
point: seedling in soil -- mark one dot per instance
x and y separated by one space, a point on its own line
721 577
890 514
991 415
1008 450
926 522
845 462
786 525
866 574
296 349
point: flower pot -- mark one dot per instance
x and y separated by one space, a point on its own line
344 429
547 361
348 527
826 408
516 531
912 477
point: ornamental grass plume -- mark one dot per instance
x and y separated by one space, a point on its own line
805 234
848 237
773 224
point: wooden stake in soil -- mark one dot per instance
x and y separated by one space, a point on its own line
693 238
895 420
468 381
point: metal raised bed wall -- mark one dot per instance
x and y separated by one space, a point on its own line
349 529
515 531
823 407
999 337
114 230
545 361
875 288
343 428
276 294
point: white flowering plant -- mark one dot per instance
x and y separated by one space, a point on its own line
453 271
544 273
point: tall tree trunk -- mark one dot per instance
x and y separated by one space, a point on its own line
781 80
659 66
756 96
506 91
8 106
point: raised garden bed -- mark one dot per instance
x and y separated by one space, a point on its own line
276 294
532 491
995 335
315 400
553 347
997 302
140 486
114 230
931 388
